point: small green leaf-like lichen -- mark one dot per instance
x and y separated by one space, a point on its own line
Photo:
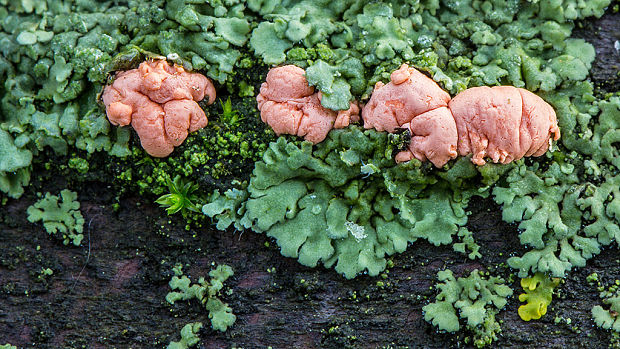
538 294
474 299
467 245
607 316
344 203
608 319
7 346
189 336
334 81
14 166
206 293
553 204
62 219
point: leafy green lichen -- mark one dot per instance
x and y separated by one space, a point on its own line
206 293
56 56
607 316
565 217
189 336
323 204
467 245
60 219
474 299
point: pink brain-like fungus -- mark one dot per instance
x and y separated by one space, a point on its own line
503 123
290 106
160 103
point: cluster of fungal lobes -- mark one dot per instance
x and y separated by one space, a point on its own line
159 101
503 123
290 106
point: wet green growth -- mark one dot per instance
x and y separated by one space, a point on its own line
189 336
347 201
474 299
61 216
182 196
538 295
7 346
205 292
344 203
607 316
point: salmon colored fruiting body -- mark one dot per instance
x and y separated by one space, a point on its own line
503 123
159 101
290 106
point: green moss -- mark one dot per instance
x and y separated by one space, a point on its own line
181 197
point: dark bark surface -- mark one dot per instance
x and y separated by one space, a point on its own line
111 291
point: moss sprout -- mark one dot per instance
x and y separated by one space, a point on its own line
182 196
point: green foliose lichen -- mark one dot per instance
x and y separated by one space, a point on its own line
55 57
474 299
569 208
606 316
61 219
345 203
206 293
189 336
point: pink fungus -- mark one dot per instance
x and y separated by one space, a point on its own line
290 106
503 123
159 101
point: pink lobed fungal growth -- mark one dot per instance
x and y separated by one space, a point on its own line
159 101
290 106
503 123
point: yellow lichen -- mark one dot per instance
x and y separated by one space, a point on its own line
538 294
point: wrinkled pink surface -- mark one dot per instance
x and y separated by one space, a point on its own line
409 93
290 106
159 101
503 123
434 137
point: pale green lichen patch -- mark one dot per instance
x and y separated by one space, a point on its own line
607 316
205 292
341 215
61 216
475 299
189 336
